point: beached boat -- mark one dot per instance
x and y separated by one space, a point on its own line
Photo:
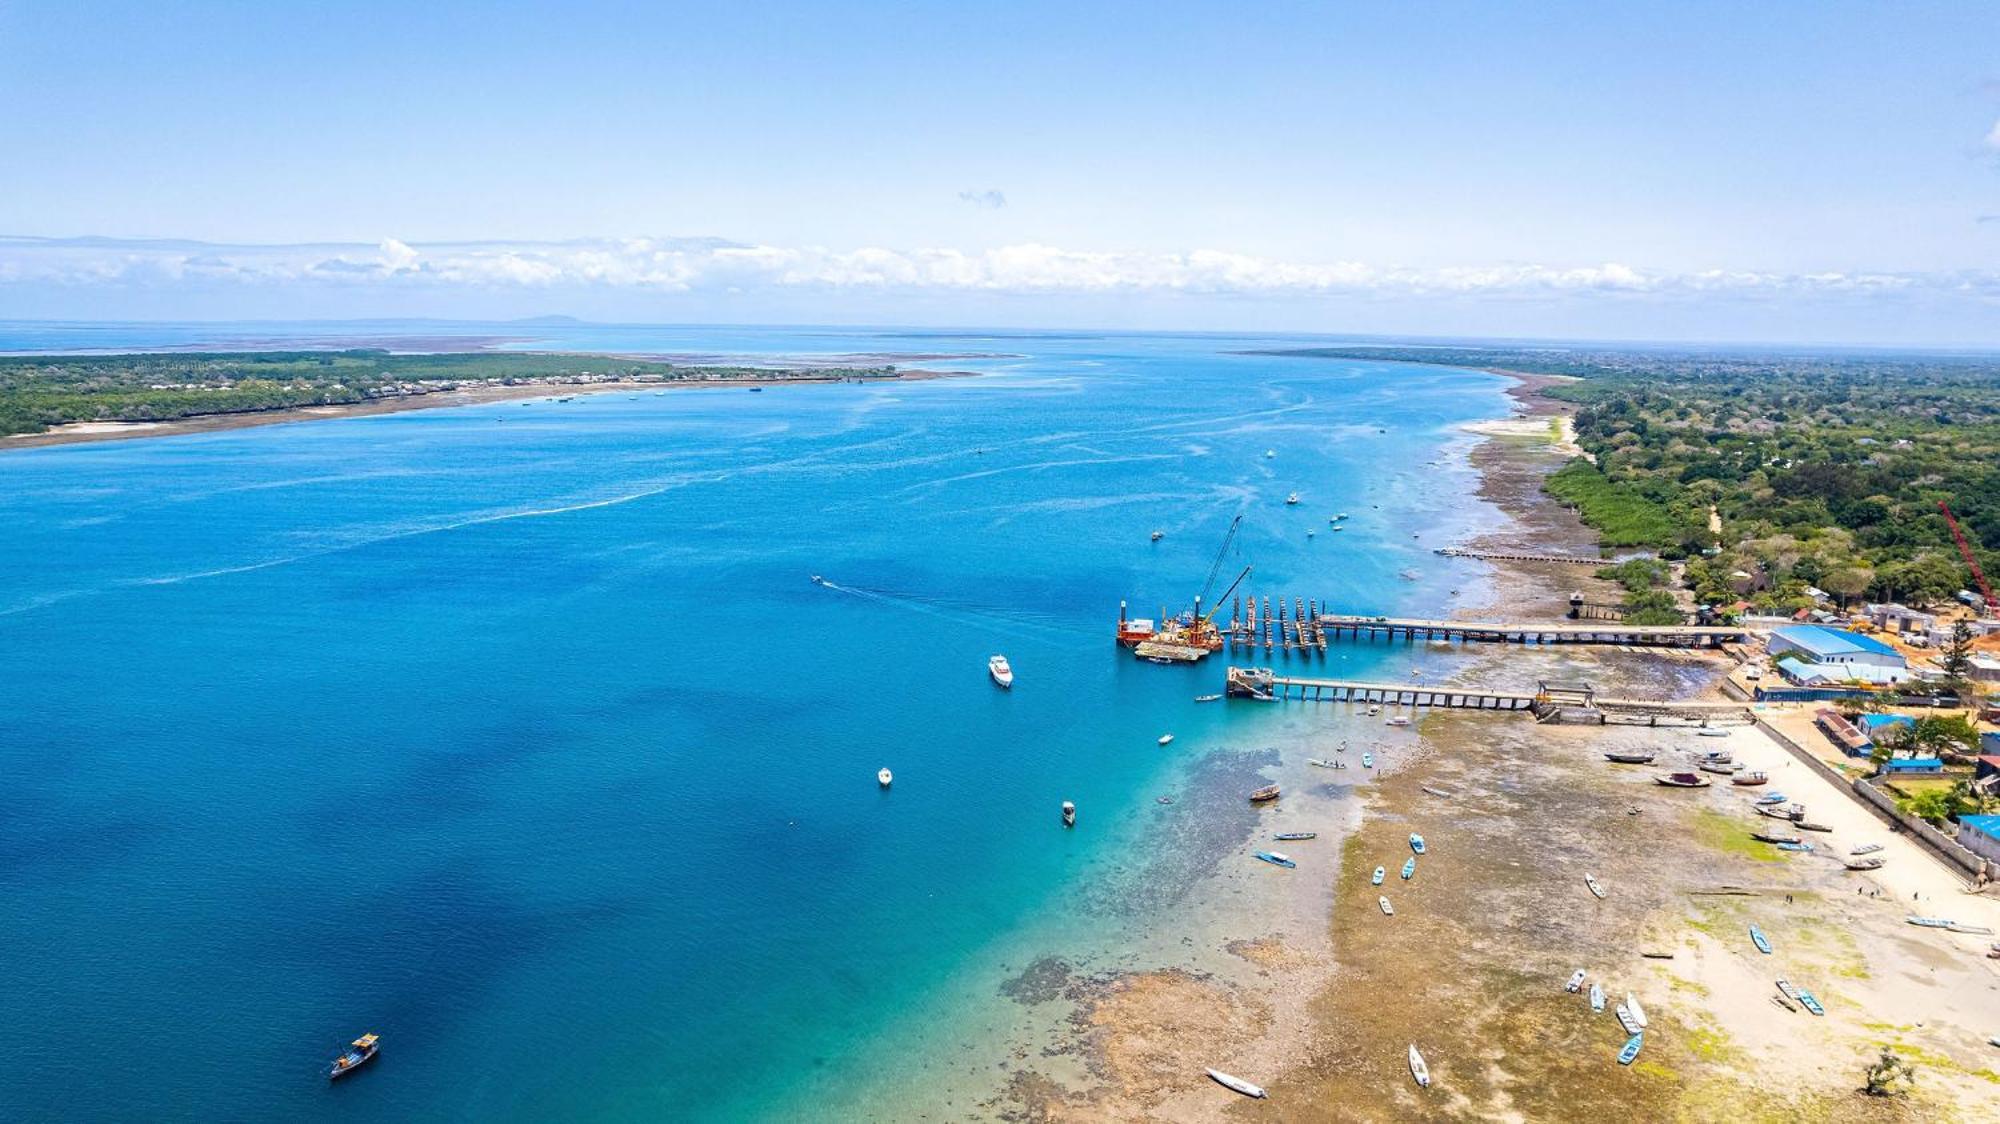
1631 1050
1068 814
1866 849
1277 858
1400 720
1638 1012
1418 1069
1624 1014
1808 825
1771 837
1789 815
1590 880
1236 1083
1772 798
1810 1003
1785 1003
1712 732
359 1054
1575 983
1368 761
1802 848
1786 989
1268 792
1206 698
1166 739
1974 930
1597 998
1409 868
1437 792
1717 755
1321 762
1002 674
1721 768
1762 942
1930 922
1681 780
1749 779
1630 758
1871 862
1295 835
1387 909
1416 843
883 777
1381 872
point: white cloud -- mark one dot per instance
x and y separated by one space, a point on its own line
1993 136
990 199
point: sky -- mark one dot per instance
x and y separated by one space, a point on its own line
1787 171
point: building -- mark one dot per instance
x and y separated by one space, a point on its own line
1822 656
1841 732
1981 836
1900 618
1985 668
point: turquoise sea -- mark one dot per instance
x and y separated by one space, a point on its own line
518 734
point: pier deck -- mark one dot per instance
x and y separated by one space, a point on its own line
1558 632
1254 682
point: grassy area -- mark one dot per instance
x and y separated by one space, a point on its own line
1621 514
1729 835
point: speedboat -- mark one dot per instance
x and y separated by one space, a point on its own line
1236 1083
1166 739
1631 1049
1206 698
1277 858
1762 942
360 1053
1002 674
1376 878
1416 843
817 580
1292 500
883 777
1158 535
1575 983
1269 453
1069 814
1418 1069
1409 868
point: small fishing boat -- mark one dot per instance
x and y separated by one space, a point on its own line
1418 1069
1268 792
1712 732
883 777
1810 1003
1772 798
1439 793
1870 862
1768 837
1638 1012
1400 720
1236 1083
1785 989
1801 848
1277 858
1575 983
1723 768
1409 868
360 1053
1269 453
1590 880
1158 535
1750 778
1866 849
1387 909
1295 835
1292 500
1166 739
1381 872
1808 825
1416 843
1624 1015
1930 922
1631 1049
1630 758
1368 761
1321 762
1206 698
1597 998
1068 814
1762 942
1002 674
1681 780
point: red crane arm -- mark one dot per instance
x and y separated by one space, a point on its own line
1965 549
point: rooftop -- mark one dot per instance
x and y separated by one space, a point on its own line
1985 825
1823 642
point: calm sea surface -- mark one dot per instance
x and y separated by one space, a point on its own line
518 734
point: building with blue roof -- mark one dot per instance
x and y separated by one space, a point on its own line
1814 655
1981 836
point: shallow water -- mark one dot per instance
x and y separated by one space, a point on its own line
517 734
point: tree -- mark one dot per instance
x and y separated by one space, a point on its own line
1958 655
1932 804
1890 1076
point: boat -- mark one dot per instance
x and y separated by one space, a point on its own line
1277 858
1166 739
1163 800
1974 930
1575 983
1870 862
1930 922
1387 909
1762 942
1002 674
1269 453
1786 989
1206 698
1294 835
883 777
1805 848
1418 1069
1712 732
1624 1014
1409 868
1808 825
1368 761
1772 798
817 580
1158 535
1268 792
359 1054
1416 843
1069 814
1322 763
1292 500
1638 1012
1777 813
1374 710
1717 756
1866 849
1597 998
1810 1003
1236 1083
1630 758
1631 1049
1342 515
753 390
1437 792
1375 879
1681 780
1750 778
1590 880
1723 768
1400 720
1768 837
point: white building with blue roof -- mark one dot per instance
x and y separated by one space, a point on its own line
1821 656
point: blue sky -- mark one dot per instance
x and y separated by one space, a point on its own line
1711 171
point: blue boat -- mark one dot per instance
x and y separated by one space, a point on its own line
1805 847
1409 869
1368 761
1762 942
1276 859
1380 874
1807 1001
1631 1049
1772 798
1416 843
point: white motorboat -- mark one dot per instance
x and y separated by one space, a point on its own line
1292 500
1001 671
1575 983
884 777
1638 1012
1166 739
1236 1083
1418 1069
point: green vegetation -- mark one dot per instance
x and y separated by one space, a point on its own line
1623 515
40 391
1889 1076
1647 600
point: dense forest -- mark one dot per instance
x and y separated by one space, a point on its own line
1826 469
39 391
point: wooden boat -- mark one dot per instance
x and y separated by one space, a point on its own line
359 1054
1575 983
1368 761
884 777
1721 768
1624 1015
1767 837
1638 1012
1068 814
1631 1049
1749 779
1294 835
1002 673
1807 1001
1772 798
1808 825
1418 1069
1416 843
1930 922
1630 758
1597 998
1802 848
1400 720
1786 989
1236 1083
1590 880
1681 780
1866 849
1321 762
1206 698
1762 942
1870 862
1409 869
1268 792
1375 879
1712 732
1166 739
1277 858
1439 793
1387 909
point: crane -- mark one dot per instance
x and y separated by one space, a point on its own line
1965 550
1216 567
1210 615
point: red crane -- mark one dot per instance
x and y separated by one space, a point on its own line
1965 549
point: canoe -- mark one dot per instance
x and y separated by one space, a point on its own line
1866 849
1749 779
1276 858
1418 1069
1638 1012
1236 1083
1292 835
1590 880
1416 843
1807 1001
1597 997
1268 792
1575 983
1631 1049
1624 1015
1387 909
1409 868
1379 875
1630 758
1762 942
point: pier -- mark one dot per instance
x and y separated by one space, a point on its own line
1562 632
1546 701
1521 556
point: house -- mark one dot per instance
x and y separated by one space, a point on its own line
1899 618
1981 836
1985 669
1821 656
1842 733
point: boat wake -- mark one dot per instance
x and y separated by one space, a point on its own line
1008 620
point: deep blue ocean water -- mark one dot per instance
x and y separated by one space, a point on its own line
517 733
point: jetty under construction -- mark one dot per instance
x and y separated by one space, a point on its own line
1549 701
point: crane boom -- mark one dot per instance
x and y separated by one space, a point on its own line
1965 550
1216 567
1210 615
